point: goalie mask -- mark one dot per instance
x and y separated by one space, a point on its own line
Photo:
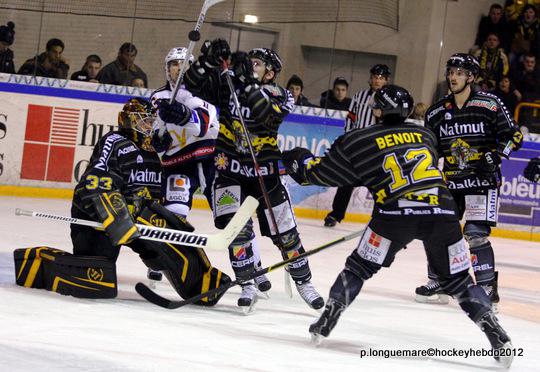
136 120
395 103
175 55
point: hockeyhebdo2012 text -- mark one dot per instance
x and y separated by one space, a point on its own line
436 352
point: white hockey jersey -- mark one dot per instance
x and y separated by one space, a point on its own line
196 139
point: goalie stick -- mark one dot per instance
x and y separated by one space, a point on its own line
151 296
218 241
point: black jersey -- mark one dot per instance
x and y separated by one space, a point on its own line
232 153
117 164
483 124
398 165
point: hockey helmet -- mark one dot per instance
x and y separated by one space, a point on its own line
270 58
136 120
465 62
380 69
176 54
395 103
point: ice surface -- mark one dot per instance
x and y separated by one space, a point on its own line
44 331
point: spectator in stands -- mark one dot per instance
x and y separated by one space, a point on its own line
525 34
514 8
526 78
493 63
7 36
508 94
90 70
50 63
296 86
123 69
137 82
336 98
496 23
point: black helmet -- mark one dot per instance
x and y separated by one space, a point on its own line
464 61
395 103
136 120
379 69
269 57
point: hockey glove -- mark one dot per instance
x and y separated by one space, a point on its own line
242 67
532 170
163 143
214 52
295 161
174 113
113 212
488 163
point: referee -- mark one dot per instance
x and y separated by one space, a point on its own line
359 116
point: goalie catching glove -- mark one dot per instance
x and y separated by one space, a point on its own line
113 212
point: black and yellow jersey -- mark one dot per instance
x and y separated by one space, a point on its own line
232 154
398 165
483 124
117 164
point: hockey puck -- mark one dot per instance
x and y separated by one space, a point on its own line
194 35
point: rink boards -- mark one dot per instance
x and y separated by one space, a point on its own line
48 129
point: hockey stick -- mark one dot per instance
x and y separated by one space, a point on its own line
218 241
151 296
194 36
266 198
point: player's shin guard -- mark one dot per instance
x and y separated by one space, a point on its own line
292 247
64 273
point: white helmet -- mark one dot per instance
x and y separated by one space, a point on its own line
176 54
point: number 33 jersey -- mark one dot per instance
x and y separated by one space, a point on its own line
397 163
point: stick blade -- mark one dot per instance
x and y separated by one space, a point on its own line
237 223
149 295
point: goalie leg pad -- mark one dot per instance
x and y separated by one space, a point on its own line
64 273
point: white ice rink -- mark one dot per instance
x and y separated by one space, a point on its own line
44 331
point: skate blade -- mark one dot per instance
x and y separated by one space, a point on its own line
441 299
248 310
263 295
316 339
506 360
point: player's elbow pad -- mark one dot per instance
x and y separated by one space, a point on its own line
113 212
262 107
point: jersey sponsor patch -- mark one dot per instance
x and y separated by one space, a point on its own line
481 207
226 200
178 188
284 218
458 257
127 150
373 247
492 106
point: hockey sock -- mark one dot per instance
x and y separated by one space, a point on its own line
346 287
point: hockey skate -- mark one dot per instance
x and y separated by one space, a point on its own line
248 298
497 337
310 295
330 221
431 293
153 277
263 284
327 321
492 291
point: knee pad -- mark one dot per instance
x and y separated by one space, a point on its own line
292 247
476 234
64 273
360 267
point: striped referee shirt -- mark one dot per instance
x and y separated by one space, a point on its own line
360 114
